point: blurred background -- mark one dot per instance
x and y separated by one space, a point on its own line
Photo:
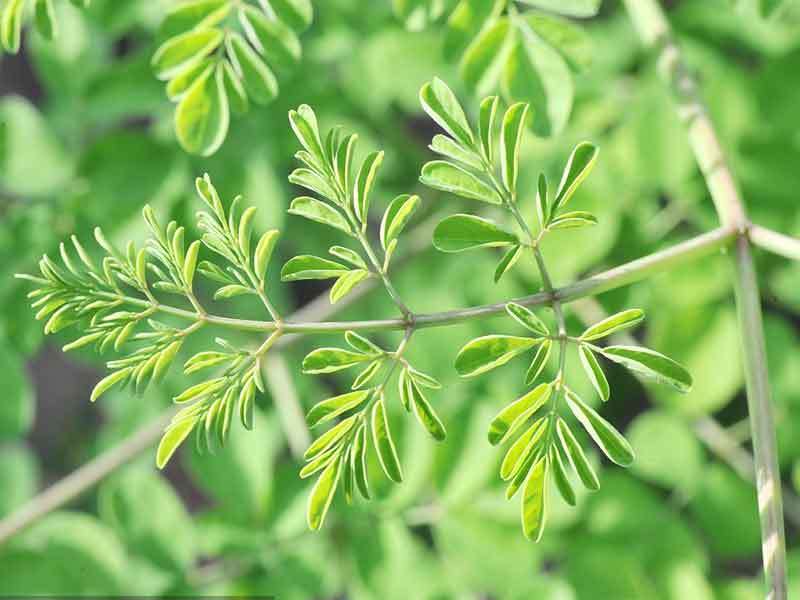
87 139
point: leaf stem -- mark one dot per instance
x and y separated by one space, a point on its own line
650 22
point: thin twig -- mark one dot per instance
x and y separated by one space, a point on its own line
777 243
649 20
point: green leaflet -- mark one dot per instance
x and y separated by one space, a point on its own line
577 458
345 284
542 202
358 456
311 267
510 137
274 40
448 147
425 413
527 318
610 441
522 448
365 180
183 51
333 407
348 255
539 362
486 126
573 220
594 372
396 216
448 177
304 124
330 438
508 261
513 416
313 209
482 63
11 25
172 438
384 445
313 181
534 500
578 167
202 115
466 232
45 18
443 107
297 14
650 363
257 77
319 500
362 344
328 360
621 320
535 72
489 352
234 88
108 382
263 252
560 476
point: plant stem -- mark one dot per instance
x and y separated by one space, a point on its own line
691 249
652 26
777 243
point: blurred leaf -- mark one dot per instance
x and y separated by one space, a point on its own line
19 477
17 407
164 535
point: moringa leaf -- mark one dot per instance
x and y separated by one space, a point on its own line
307 266
577 458
610 441
319 500
184 50
331 408
330 438
172 438
617 322
539 362
447 146
573 220
466 232
521 449
345 284
365 180
560 476
397 215
650 363
314 210
362 344
527 318
510 137
447 177
594 372
489 352
443 107
508 261
11 24
328 360
425 413
257 77
580 164
45 18
534 500
513 416
274 40
202 116
486 126
384 445
263 252
348 255
483 60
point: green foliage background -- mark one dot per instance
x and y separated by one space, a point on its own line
87 139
